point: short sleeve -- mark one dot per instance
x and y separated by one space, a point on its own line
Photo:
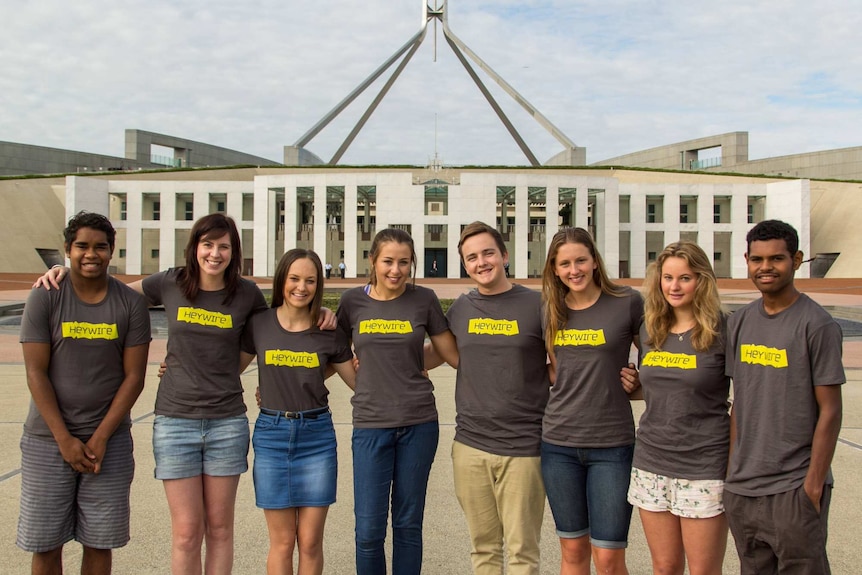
35 323
152 286
825 351
437 323
140 331
246 343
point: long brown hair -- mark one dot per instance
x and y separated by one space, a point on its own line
281 278
554 290
658 314
211 227
391 235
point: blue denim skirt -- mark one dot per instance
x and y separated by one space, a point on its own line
295 461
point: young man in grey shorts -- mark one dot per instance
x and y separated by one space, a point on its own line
85 353
784 355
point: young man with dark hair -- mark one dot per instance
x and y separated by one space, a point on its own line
501 390
85 353
784 355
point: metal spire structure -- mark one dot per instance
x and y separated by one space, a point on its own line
405 53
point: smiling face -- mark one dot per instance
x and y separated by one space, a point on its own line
485 264
678 283
89 253
214 255
771 266
574 265
392 267
300 285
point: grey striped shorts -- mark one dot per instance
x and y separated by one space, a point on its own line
59 504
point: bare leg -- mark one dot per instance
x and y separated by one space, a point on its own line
96 561
610 561
705 542
47 562
186 503
310 526
219 502
281 524
575 556
664 537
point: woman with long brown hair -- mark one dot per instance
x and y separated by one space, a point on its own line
395 430
588 428
295 459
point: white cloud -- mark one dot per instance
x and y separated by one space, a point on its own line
615 76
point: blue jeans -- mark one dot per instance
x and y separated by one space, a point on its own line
587 492
396 460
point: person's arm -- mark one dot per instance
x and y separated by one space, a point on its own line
138 286
432 358
346 372
37 358
445 346
134 367
826 432
52 277
327 320
630 379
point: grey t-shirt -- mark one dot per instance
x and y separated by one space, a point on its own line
87 346
202 378
685 430
588 406
775 362
388 338
292 365
502 384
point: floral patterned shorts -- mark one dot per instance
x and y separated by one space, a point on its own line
689 498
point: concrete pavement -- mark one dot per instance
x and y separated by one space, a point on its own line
446 539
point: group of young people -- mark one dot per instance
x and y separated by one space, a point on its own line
543 389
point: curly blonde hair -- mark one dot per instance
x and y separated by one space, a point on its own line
658 314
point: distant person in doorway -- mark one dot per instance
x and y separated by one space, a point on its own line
342 269
328 269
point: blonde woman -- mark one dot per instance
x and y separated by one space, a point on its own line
683 439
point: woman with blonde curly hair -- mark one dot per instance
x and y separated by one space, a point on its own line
588 430
680 458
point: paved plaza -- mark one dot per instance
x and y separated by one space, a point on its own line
446 540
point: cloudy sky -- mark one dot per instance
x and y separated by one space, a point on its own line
254 75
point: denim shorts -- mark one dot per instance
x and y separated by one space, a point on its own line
295 461
191 447
587 492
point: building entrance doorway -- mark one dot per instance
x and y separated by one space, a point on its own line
435 263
